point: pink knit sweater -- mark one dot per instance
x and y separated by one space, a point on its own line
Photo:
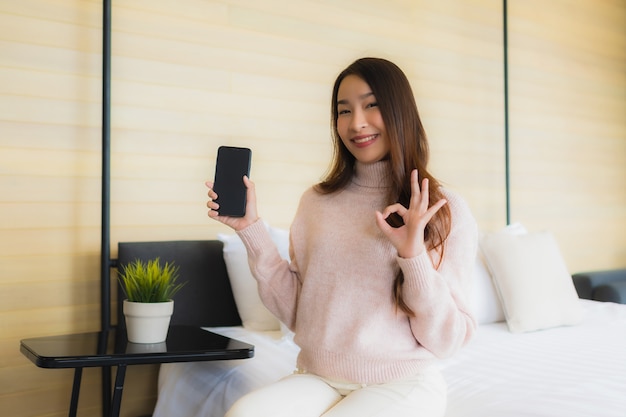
336 294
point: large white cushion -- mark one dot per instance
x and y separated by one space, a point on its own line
254 315
531 279
486 304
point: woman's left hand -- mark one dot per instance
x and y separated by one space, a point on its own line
409 238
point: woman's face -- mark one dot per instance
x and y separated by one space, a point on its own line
359 122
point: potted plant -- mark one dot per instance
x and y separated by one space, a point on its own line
149 288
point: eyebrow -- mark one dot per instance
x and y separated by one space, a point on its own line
361 97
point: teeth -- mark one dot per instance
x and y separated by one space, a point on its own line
363 140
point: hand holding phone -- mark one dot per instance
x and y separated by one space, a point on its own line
231 165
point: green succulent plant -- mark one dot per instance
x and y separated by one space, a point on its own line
149 282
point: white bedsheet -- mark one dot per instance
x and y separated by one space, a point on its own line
577 371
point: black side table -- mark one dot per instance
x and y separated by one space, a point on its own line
111 348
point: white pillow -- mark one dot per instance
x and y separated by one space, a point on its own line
484 297
485 302
254 315
281 239
531 279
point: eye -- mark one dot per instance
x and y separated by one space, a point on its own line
343 111
372 104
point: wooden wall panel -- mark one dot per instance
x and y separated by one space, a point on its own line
568 131
191 75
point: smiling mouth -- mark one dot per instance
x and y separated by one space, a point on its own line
361 140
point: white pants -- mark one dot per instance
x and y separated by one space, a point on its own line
307 395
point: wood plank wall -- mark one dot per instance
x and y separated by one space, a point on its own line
191 75
568 118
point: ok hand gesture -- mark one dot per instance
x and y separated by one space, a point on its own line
409 238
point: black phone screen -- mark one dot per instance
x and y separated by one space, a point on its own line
231 165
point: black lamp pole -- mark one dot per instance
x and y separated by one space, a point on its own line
506 112
105 250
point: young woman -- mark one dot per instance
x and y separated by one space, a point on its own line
381 259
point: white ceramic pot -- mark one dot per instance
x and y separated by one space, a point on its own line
147 322
146 347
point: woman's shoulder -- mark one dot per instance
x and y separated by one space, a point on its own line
314 201
459 208
313 194
309 194
308 198
453 197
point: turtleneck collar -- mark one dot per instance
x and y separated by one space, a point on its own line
374 175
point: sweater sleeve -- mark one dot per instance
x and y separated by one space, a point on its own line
278 281
443 322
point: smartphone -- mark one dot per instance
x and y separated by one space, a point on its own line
231 165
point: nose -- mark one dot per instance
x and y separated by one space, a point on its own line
359 121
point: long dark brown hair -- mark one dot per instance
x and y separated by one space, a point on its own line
408 150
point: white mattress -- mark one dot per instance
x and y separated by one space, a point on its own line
577 371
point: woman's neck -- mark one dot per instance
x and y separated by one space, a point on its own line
374 175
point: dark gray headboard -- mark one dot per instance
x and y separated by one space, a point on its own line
207 298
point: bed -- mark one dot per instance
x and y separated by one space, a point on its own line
566 371
574 366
